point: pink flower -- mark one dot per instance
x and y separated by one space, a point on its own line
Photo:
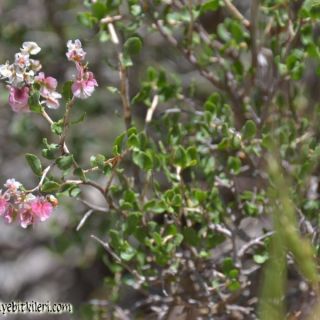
9 215
12 185
4 204
41 208
47 90
26 217
75 51
18 99
47 82
84 85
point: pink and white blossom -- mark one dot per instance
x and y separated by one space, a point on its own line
84 84
9 215
26 217
30 47
27 208
41 208
75 51
4 204
22 60
12 185
47 90
6 70
18 99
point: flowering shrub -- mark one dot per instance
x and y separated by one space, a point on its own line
29 90
215 181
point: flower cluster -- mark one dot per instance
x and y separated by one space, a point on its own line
15 203
85 83
22 74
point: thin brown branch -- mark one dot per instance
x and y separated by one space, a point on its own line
236 13
123 73
254 242
106 246
253 31
84 219
66 123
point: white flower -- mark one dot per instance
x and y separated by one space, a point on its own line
30 47
29 77
52 99
35 65
16 79
75 51
6 70
22 60
13 184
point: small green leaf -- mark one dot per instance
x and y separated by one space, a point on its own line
133 141
128 253
34 102
249 130
34 163
99 10
66 91
126 61
65 162
87 19
132 46
113 90
98 161
260 258
191 236
69 189
234 165
211 5
80 119
79 172
117 145
57 127
181 157
50 186
50 150
142 160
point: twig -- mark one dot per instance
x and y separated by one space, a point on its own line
191 24
253 242
152 108
112 161
236 13
110 19
66 123
253 31
47 117
123 73
44 174
219 228
50 121
106 246
84 219
89 183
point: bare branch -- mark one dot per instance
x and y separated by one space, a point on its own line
253 242
236 13
152 108
84 219
123 72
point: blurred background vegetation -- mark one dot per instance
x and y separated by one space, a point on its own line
256 146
